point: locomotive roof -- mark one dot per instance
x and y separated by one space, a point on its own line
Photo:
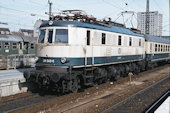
112 28
150 38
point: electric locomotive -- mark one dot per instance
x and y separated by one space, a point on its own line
77 50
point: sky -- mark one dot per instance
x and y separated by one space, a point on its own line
24 13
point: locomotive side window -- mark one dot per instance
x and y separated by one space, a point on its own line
140 43
88 37
42 36
119 40
61 36
50 35
14 45
103 38
6 45
130 41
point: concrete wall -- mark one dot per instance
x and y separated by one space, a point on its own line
12 86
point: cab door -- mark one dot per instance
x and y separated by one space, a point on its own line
89 49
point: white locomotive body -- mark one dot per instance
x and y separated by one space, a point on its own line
85 45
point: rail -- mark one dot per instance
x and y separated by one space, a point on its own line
135 94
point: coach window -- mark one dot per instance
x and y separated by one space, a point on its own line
88 37
163 48
130 41
50 35
159 48
14 45
6 45
140 42
156 47
61 36
150 47
103 38
119 40
42 36
0 45
32 46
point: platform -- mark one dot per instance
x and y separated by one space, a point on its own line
10 81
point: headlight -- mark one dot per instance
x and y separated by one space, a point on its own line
63 60
50 22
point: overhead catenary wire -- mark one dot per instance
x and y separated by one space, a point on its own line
160 8
22 11
42 6
112 5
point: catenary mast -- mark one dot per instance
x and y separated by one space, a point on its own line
147 18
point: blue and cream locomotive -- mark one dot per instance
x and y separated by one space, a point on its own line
78 50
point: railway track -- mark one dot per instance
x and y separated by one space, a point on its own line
116 107
125 103
97 103
15 99
17 103
76 101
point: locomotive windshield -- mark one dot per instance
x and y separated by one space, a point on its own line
42 36
60 36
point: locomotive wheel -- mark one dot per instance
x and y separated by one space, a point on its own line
75 85
117 76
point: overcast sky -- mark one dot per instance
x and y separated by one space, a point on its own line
23 13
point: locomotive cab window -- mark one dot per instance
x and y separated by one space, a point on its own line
42 36
61 36
50 36
103 38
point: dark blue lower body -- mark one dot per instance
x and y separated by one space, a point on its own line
89 60
156 57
